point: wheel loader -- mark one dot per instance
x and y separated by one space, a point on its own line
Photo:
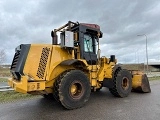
72 69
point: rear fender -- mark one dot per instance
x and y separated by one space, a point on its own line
75 62
61 67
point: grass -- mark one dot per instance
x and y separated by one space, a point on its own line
154 78
5 72
3 79
8 96
12 96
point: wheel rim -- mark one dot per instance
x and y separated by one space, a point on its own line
125 83
76 90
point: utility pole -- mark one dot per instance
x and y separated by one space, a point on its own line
146 50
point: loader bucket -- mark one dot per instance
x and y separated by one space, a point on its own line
140 82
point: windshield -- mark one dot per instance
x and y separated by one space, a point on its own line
88 43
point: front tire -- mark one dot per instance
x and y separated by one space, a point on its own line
122 80
74 89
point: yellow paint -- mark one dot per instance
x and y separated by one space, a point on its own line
136 81
105 70
36 86
73 89
19 86
33 60
24 86
53 68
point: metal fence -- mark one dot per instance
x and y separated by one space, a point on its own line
5 88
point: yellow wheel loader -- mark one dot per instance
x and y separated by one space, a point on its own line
71 69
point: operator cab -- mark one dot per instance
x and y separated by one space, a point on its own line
89 40
85 36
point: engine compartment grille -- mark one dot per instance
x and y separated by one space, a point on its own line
43 62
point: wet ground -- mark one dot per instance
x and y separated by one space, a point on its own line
101 106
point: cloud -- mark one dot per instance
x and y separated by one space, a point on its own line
121 21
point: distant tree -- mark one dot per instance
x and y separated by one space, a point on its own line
2 56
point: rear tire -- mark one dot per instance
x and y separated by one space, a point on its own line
122 83
73 89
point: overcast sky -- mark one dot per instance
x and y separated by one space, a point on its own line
31 21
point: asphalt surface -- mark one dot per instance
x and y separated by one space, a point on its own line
101 106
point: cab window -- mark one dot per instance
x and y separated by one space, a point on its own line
88 43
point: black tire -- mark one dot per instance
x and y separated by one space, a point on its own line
122 83
56 86
73 89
